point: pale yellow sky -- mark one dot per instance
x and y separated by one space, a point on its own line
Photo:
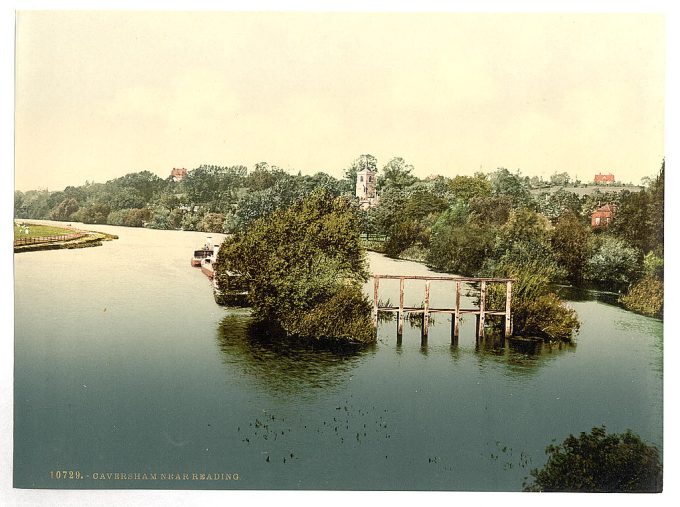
101 94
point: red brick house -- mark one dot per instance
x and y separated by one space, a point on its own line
604 179
603 216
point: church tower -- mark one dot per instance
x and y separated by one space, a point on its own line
366 188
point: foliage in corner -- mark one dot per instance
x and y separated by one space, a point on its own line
598 462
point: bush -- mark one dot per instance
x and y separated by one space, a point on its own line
403 235
645 297
598 462
653 265
546 317
137 217
536 311
613 263
159 218
211 222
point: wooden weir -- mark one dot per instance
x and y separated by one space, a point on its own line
481 313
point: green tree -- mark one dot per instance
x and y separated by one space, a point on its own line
554 205
632 219
65 209
404 234
613 263
656 211
522 252
144 183
525 226
125 198
598 462
159 218
35 204
94 213
570 244
396 174
137 217
503 182
470 187
19 210
458 245
212 222
560 179
646 295
490 210
303 267
263 177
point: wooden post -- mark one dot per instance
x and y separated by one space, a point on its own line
482 309
508 315
376 284
400 316
455 325
426 310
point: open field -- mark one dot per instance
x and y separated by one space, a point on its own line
30 237
36 230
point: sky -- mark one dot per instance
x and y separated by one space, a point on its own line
100 94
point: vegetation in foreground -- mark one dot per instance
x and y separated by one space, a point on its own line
303 268
598 462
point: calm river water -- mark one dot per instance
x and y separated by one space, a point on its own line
124 364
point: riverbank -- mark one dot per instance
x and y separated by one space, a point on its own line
53 238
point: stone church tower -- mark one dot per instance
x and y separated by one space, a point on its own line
366 188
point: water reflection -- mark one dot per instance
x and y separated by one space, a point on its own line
284 367
571 293
519 356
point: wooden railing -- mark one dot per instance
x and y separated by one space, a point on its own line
47 239
456 311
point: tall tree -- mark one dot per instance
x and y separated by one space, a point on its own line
503 182
396 174
470 187
570 245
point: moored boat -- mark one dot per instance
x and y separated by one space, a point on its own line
207 252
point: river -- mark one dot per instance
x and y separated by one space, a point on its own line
124 364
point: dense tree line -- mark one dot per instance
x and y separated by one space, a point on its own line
496 224
486 224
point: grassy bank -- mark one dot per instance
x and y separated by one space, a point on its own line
29 237
29 230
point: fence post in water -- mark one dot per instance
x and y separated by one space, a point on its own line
376 284
482 309
508 317
400 316
455 325
426 311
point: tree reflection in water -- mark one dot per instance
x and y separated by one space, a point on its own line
283 366
522 357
